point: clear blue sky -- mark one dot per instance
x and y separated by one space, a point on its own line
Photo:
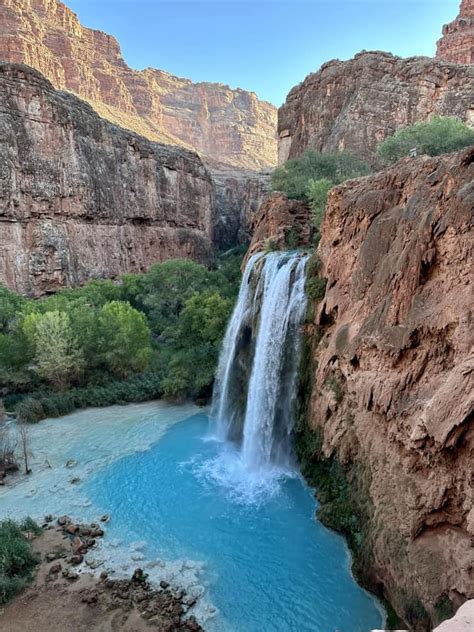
267 46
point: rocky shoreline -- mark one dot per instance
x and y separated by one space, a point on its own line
67 592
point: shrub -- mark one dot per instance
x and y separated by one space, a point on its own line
17 561
270 245
316 287
317 193
30 410
28 524
292 237
294 176
56 404
438 136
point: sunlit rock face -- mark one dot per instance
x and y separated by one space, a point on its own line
393 389
232 126
457 43
81 198
353 105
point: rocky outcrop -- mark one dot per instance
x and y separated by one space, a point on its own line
231 126
393 384
457 43
81 198
280 224
353 105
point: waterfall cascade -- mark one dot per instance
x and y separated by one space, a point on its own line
256 381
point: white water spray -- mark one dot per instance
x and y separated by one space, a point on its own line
265 324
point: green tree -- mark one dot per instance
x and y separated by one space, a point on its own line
293 177
195 343
166 288
125 343
11 305
57 356
437 136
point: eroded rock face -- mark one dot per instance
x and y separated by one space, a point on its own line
231 126
81 198
352 106
393 391
279 223
457 43
238 196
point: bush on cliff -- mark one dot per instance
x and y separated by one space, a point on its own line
437 136
17 561
295 175
311 176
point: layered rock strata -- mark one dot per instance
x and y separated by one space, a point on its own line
457 43
353 105
231 126
81 198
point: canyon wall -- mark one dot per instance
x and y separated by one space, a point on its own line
227 125
390 377
81 198
457 43
393 391
238 196
353 105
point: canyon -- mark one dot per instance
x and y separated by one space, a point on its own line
231 126
353 105
391 374
88 189
81 198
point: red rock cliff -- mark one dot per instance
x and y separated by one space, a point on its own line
81 198
353 105
392 377
457 43
231 126
393 392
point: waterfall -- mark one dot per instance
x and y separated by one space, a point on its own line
256 380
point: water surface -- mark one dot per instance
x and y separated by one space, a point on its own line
181 507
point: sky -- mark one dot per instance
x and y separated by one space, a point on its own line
267 46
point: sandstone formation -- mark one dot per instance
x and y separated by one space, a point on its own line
231 126
457 43
353 105
81 198
279 223
392 379
393 391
